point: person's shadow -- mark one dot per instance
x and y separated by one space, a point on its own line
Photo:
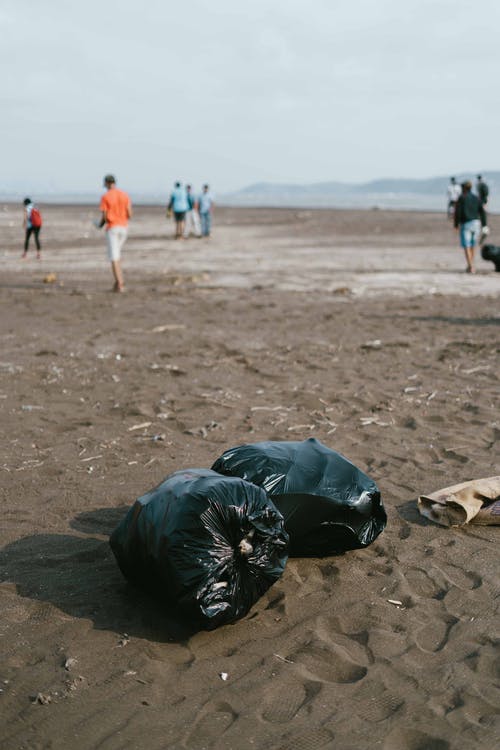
79 575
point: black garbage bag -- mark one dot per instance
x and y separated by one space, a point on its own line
491 252
211 545
329 505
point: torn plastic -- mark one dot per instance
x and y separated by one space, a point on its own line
209 544
329 505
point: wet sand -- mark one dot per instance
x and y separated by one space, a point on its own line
358 328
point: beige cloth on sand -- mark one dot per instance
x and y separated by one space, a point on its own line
477 501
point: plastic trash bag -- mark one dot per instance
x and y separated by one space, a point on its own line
329 505
491 252
211 545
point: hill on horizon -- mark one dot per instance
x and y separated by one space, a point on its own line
405 193
427 185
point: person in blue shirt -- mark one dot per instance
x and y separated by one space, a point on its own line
179 205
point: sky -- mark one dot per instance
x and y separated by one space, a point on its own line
234 93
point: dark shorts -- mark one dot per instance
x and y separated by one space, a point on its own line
180 215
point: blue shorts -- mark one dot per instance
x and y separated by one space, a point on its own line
470 233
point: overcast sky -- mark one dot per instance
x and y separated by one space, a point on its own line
237 92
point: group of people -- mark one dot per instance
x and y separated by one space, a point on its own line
193 215
467 210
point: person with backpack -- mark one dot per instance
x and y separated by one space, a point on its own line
32 224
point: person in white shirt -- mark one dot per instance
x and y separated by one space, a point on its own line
192 225
453 194
206 206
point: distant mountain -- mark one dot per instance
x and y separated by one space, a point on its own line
419 194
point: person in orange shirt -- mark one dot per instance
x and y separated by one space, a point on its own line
116 211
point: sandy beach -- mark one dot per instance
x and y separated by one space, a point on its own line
359 328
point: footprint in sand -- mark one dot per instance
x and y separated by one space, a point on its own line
328 662
277 601
424 584
463 579
41 612
404 531
434 635
283 701
412 739
467 708
310 576
486 662
449 454
215 719
471 604
313 739
373 702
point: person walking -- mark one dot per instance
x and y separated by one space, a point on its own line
32 223
192 224
453 192
179 205
116 210
206 207
482 190
469 218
